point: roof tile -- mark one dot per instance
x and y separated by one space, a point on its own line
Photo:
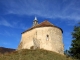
43 24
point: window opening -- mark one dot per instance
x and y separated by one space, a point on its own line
47 37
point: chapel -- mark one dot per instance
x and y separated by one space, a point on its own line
44 35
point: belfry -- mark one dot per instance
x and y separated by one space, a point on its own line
35 22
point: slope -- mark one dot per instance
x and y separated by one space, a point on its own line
37 54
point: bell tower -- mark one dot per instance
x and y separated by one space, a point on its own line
35 22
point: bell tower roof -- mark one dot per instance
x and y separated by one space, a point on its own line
35 18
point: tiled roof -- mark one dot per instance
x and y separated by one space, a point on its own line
43 24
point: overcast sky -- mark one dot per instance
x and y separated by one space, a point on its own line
17 16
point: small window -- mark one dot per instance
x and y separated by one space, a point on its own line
47 38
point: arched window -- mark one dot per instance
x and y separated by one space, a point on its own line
47 37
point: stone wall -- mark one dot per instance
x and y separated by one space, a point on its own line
48 38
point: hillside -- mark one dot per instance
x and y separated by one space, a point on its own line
38 54
6 50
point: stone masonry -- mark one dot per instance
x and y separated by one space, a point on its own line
44 36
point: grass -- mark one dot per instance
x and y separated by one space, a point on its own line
37 54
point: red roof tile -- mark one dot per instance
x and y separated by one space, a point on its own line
43 24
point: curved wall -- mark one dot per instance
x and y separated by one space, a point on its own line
48 38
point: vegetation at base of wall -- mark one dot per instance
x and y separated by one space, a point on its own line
37 54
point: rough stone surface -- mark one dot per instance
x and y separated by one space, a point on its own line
48 38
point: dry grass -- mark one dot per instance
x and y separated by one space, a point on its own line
37 54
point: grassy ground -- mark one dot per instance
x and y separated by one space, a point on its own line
38 54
